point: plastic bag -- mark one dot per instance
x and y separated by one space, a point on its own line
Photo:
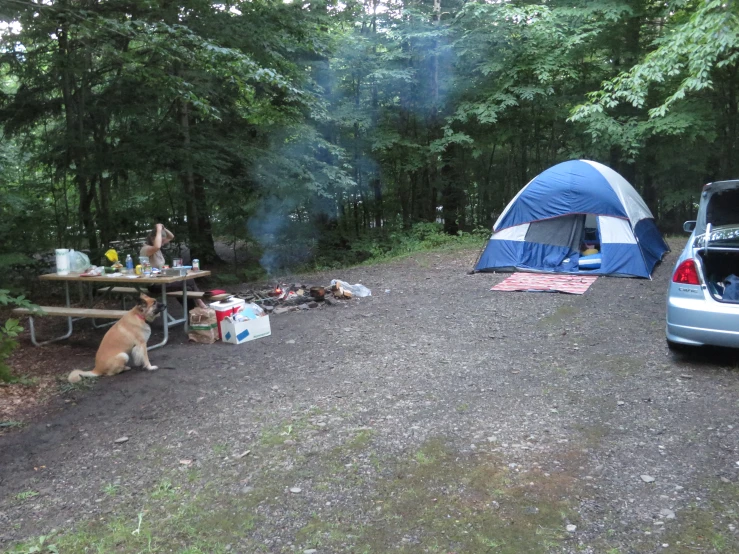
78 261
248 312
356 290
203 326
731 288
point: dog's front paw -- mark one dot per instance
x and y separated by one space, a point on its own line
152 368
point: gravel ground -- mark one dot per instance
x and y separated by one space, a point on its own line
434 416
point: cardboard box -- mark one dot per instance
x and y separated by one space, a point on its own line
237 332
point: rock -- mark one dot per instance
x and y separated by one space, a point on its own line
243 454
620 403
571 528
281 310
647 478
310 551
312 304
667 513
296 490
291 341
121 440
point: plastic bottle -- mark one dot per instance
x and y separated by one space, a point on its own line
129 264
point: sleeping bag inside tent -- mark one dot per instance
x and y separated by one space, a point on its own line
576 217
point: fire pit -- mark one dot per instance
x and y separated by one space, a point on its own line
287 298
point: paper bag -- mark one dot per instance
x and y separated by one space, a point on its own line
203 326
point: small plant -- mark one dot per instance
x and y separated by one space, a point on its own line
220 449
424 459
163 489
25 495
10 424
111 489
25 380
40 547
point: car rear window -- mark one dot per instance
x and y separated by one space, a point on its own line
723 208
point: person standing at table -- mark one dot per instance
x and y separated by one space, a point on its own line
152 248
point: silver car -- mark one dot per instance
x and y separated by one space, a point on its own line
703 298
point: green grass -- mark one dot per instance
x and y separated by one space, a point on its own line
445 500
66 387
25 495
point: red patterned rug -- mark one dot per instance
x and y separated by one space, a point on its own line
538 282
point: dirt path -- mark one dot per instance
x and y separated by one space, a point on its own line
436 417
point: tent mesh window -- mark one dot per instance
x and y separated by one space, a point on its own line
558 231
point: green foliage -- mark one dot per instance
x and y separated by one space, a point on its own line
701 39
304 132
388 244
9 332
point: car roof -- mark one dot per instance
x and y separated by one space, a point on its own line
722 185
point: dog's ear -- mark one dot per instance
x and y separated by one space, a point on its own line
143 300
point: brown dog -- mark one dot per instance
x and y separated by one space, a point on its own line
125 341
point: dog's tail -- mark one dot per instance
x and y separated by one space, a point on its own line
77 375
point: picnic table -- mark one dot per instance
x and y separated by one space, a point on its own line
138 283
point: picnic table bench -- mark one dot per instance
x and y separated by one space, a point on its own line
173 294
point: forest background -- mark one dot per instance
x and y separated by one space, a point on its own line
323 133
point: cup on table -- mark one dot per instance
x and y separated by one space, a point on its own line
176 262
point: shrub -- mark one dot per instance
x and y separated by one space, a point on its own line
9 332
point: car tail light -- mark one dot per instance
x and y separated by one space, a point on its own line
686 273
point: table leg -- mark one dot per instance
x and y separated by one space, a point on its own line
69 323
92 303
165 321
184 304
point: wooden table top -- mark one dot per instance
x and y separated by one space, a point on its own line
139 279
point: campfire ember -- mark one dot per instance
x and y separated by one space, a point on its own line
286 298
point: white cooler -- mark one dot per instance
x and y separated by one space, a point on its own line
225 308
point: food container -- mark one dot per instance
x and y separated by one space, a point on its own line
174 272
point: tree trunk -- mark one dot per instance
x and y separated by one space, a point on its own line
199 229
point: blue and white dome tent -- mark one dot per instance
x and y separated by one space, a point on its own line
576 217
